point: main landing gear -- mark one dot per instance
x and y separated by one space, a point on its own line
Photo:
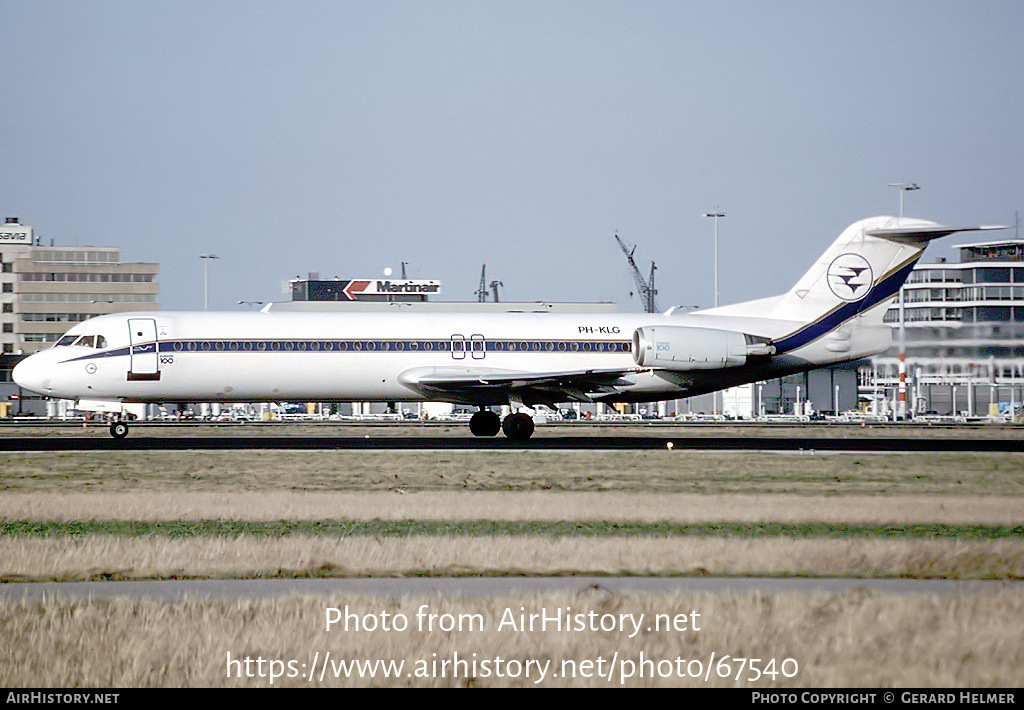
517 426
485 423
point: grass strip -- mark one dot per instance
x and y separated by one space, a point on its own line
481 528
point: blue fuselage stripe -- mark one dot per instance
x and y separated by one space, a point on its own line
370 346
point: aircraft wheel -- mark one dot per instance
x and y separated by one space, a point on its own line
485 423
118 430
518 426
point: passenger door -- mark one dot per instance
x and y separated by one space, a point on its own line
144 350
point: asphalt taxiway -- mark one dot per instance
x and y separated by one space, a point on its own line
796 444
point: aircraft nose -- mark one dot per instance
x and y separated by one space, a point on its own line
32 374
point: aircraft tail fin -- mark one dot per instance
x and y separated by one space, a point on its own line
858 275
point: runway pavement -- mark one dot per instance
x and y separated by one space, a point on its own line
682 441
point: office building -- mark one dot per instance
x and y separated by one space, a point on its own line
44 290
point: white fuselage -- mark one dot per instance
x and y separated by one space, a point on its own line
255 357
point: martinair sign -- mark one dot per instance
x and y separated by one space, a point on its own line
355 289
15 234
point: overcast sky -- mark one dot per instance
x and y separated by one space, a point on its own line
343 137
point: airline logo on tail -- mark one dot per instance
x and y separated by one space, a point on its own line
850 277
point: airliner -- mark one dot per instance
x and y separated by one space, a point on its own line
833 314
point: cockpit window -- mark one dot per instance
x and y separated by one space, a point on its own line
66 340
86 341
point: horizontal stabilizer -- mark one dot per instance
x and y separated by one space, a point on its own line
919 235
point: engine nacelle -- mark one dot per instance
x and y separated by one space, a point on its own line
676 347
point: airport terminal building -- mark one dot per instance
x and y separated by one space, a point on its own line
389 295
963 328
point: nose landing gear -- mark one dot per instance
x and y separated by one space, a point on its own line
118 429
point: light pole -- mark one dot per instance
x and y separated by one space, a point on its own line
206 279
716 215
901 407
904 187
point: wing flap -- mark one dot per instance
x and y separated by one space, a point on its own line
482 385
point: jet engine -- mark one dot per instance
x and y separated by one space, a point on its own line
677 347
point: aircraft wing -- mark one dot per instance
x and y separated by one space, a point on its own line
473 385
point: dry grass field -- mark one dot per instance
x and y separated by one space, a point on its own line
179 514
755 641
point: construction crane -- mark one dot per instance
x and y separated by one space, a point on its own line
645 291
494 288
481 294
